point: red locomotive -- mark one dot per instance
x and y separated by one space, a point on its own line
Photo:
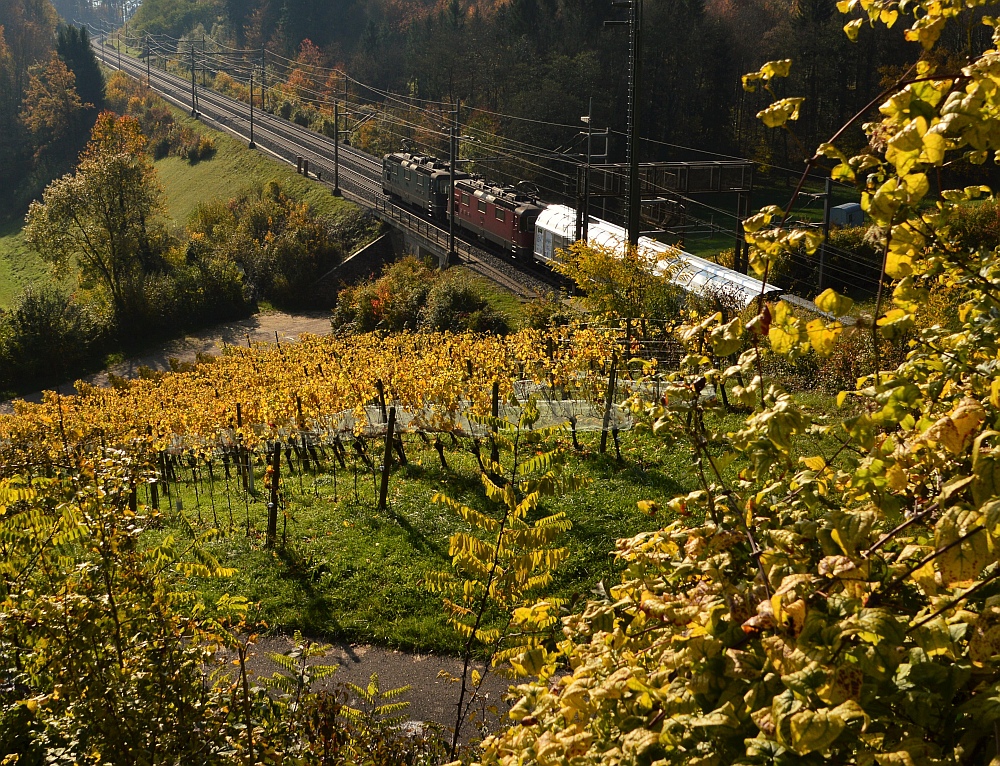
498 214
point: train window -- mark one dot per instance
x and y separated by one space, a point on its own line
482 206
406 175
420 182
465 199
501 214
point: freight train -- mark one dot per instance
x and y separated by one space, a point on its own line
531 229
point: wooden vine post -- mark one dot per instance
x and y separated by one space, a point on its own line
609 401
383 492
272 504
154 486
495 412
381 400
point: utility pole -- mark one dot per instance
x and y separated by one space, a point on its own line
252 144
583 216
118 46
263 76
634 207
741 260
336 147
827 192
194 105
453 156
148 81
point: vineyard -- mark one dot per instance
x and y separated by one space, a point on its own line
324 388
202 444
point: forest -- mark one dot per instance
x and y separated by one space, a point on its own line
51 91
543 60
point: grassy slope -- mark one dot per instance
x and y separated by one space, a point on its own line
352 573
20 266
232 168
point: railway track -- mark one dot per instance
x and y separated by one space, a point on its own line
359 173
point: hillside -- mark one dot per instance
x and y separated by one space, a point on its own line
233 167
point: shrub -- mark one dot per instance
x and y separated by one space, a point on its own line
44 338
547 311
454 305
977 224
130 97
277 243
411 296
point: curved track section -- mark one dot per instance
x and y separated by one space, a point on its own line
359 173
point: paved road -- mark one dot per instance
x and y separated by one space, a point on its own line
432 699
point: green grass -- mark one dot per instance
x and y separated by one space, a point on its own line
500 300
349 572
232 168
20 266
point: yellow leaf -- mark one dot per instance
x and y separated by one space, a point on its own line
780 112
895 323
648 507
967 416
917 185
822 337
934 146
896 478
814 463
779 68
833 303
815 731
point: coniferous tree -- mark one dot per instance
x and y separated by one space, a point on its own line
73 46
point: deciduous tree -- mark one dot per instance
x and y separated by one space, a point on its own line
624 286
51 107
103 218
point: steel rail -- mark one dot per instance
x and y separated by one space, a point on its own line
360 173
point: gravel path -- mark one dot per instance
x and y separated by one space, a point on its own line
258 328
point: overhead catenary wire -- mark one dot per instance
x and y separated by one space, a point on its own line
232 60
522 149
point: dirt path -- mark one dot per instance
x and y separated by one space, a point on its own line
258 328
266 328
